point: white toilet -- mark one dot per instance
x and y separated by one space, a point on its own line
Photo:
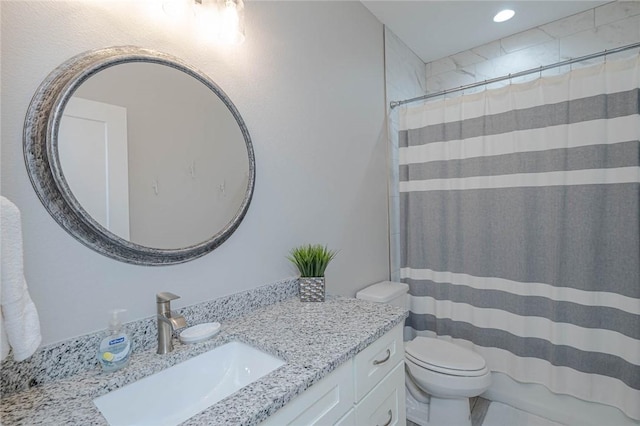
440 376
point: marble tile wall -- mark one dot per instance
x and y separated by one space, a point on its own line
605 27
404 78
608 26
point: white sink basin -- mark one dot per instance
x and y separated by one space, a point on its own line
174 395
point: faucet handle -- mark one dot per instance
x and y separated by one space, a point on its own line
165 296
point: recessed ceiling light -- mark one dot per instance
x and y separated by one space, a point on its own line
504 15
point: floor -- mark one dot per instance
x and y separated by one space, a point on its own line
487 413
479 409
503 415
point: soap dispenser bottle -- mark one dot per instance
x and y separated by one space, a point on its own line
115 349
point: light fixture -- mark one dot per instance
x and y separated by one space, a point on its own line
221 19
232 22
503 15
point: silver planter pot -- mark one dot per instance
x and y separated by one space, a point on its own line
311 289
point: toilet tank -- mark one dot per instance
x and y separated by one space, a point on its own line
385 292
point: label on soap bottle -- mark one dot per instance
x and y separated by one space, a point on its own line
114 352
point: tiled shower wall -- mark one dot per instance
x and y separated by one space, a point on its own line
608 26
404 78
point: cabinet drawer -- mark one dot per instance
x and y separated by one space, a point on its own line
322 404
385 404
376 361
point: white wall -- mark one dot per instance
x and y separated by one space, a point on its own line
308 82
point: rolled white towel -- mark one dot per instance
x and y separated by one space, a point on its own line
19 317
4 339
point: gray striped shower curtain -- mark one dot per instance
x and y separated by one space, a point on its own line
519 222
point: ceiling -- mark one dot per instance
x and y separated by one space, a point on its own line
435 29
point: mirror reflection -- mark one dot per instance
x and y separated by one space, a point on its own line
153 155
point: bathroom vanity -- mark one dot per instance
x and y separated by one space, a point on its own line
366 390
343 365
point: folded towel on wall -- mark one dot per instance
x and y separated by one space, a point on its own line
19 322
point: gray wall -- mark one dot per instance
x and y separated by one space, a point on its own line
309 83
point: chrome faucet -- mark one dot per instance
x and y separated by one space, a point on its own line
168 321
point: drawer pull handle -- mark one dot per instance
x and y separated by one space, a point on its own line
382 361
390 414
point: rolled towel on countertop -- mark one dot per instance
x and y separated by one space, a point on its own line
19 321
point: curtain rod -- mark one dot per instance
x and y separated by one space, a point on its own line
394 104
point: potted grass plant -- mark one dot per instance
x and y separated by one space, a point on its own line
311 261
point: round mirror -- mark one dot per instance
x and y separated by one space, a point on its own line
139 156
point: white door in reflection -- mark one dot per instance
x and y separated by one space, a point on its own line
92 145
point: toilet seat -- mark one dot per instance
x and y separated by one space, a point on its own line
444 357
445 370
442 385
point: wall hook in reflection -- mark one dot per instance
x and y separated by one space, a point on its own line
155 186
223 187
192 169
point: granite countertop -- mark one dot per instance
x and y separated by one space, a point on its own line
312 338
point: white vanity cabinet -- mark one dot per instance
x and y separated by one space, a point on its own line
367 390
379 382
385 404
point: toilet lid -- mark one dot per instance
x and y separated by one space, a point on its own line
445 357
